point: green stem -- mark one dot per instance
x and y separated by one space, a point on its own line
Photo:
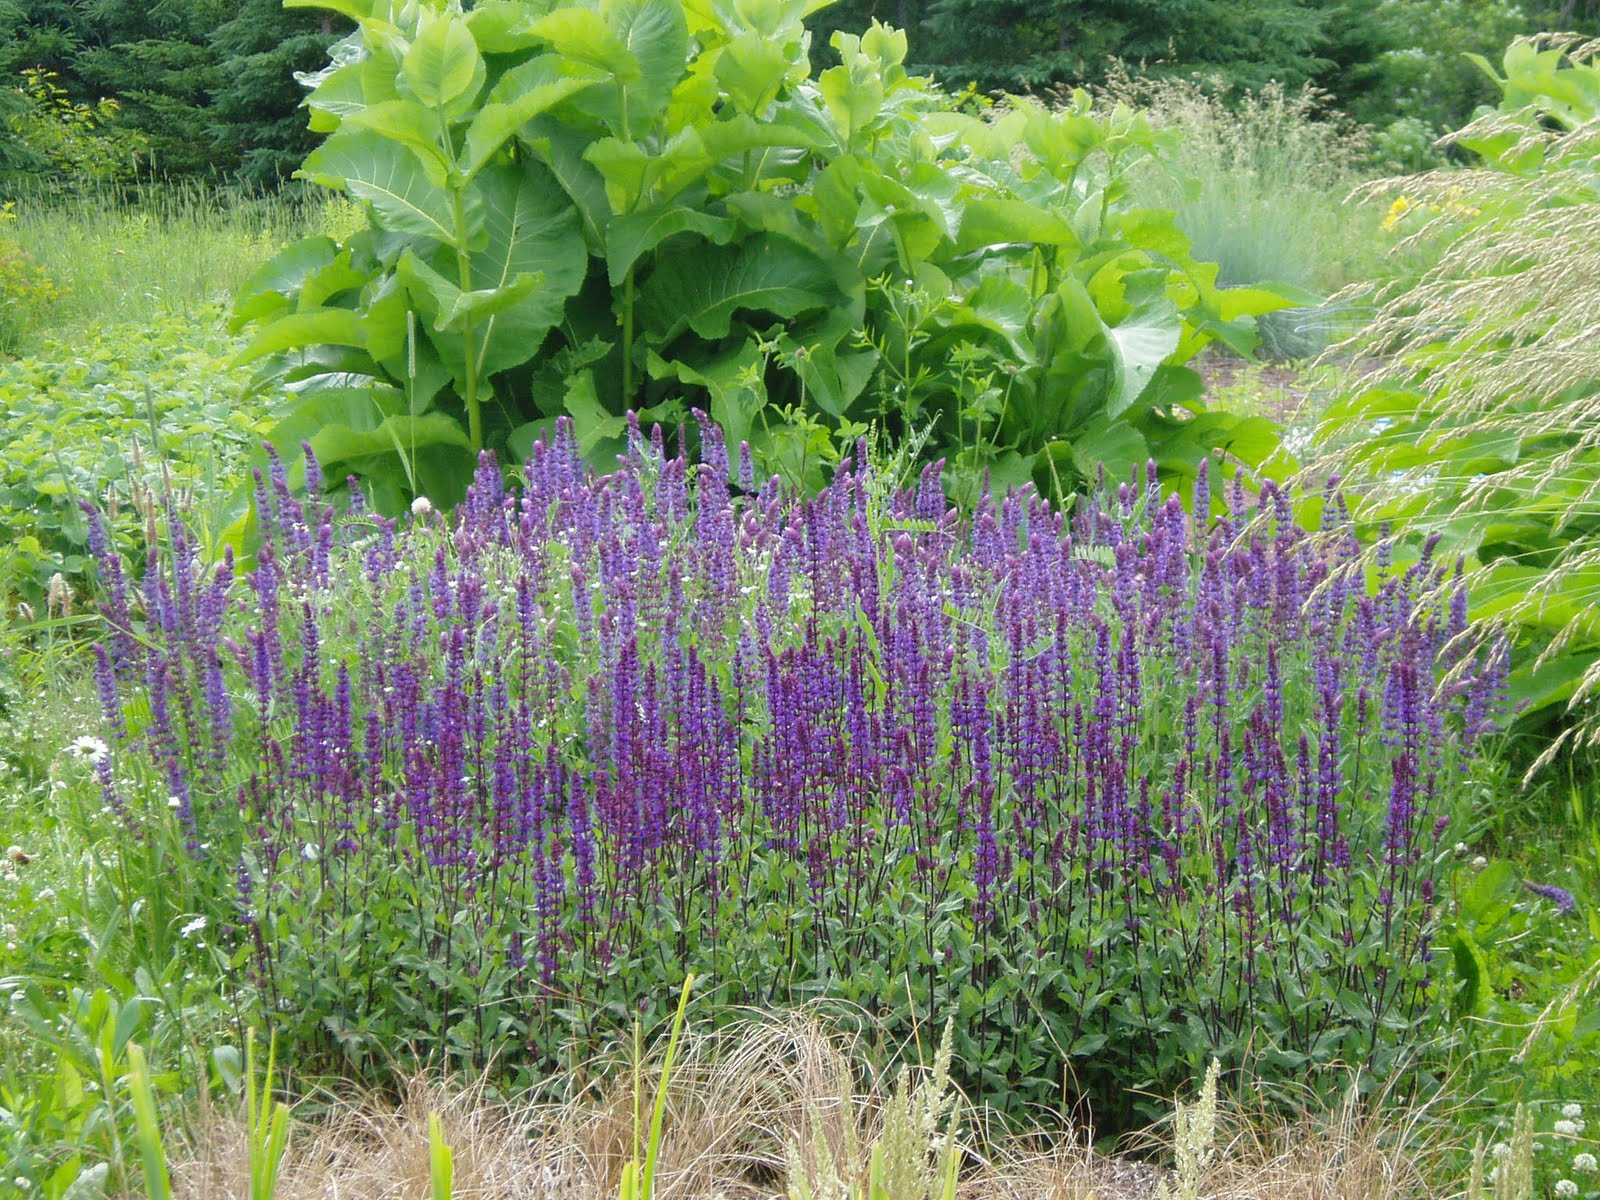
627 340
468 333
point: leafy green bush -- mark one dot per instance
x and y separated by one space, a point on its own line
118 417
63 145
1477 415
651 205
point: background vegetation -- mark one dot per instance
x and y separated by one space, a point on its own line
141 151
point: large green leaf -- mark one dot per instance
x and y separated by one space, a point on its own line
656 34
530 231
386 175
315 327
988 222
630 238
583 35
452 309
1140 343
272 287
443 68
732 381
412 126
767 274
635 175
521 94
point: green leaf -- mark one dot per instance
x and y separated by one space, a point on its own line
631 237
1140 343
387 176
452 308
530 228
280 279
635 176
582 35
411 125
733 383
314 327
1114 445
521 94
767 274
987 222
752 71
401 433
656 35
443 68
591 423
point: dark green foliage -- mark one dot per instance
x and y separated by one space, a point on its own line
256 116
583 212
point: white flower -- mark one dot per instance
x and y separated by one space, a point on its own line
1480 861
421 506
89 749
1584 1163
1568 1128
1572 1110
1565 1187
193 927
1461 847
1500 1150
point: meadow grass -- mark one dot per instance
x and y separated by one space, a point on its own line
172 251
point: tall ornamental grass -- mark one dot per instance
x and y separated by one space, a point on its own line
1117 793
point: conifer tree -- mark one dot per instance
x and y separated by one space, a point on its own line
256 116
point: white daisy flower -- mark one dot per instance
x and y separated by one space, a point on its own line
89 749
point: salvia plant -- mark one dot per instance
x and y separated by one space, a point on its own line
1118 793
585 209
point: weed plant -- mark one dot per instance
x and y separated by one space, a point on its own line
494 782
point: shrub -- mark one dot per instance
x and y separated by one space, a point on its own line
1479 383
582 210
1118 793
68 146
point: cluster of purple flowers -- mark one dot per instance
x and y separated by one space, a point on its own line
596 731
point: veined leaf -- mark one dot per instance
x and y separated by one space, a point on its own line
408 123
386 175
997 221
315 327
521 94
656 34
633 175
582 35
768 274
630 238
453 308
443 68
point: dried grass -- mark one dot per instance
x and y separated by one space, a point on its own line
741 1096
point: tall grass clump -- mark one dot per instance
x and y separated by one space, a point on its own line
167 251
1117 793
1259 182
1480 387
